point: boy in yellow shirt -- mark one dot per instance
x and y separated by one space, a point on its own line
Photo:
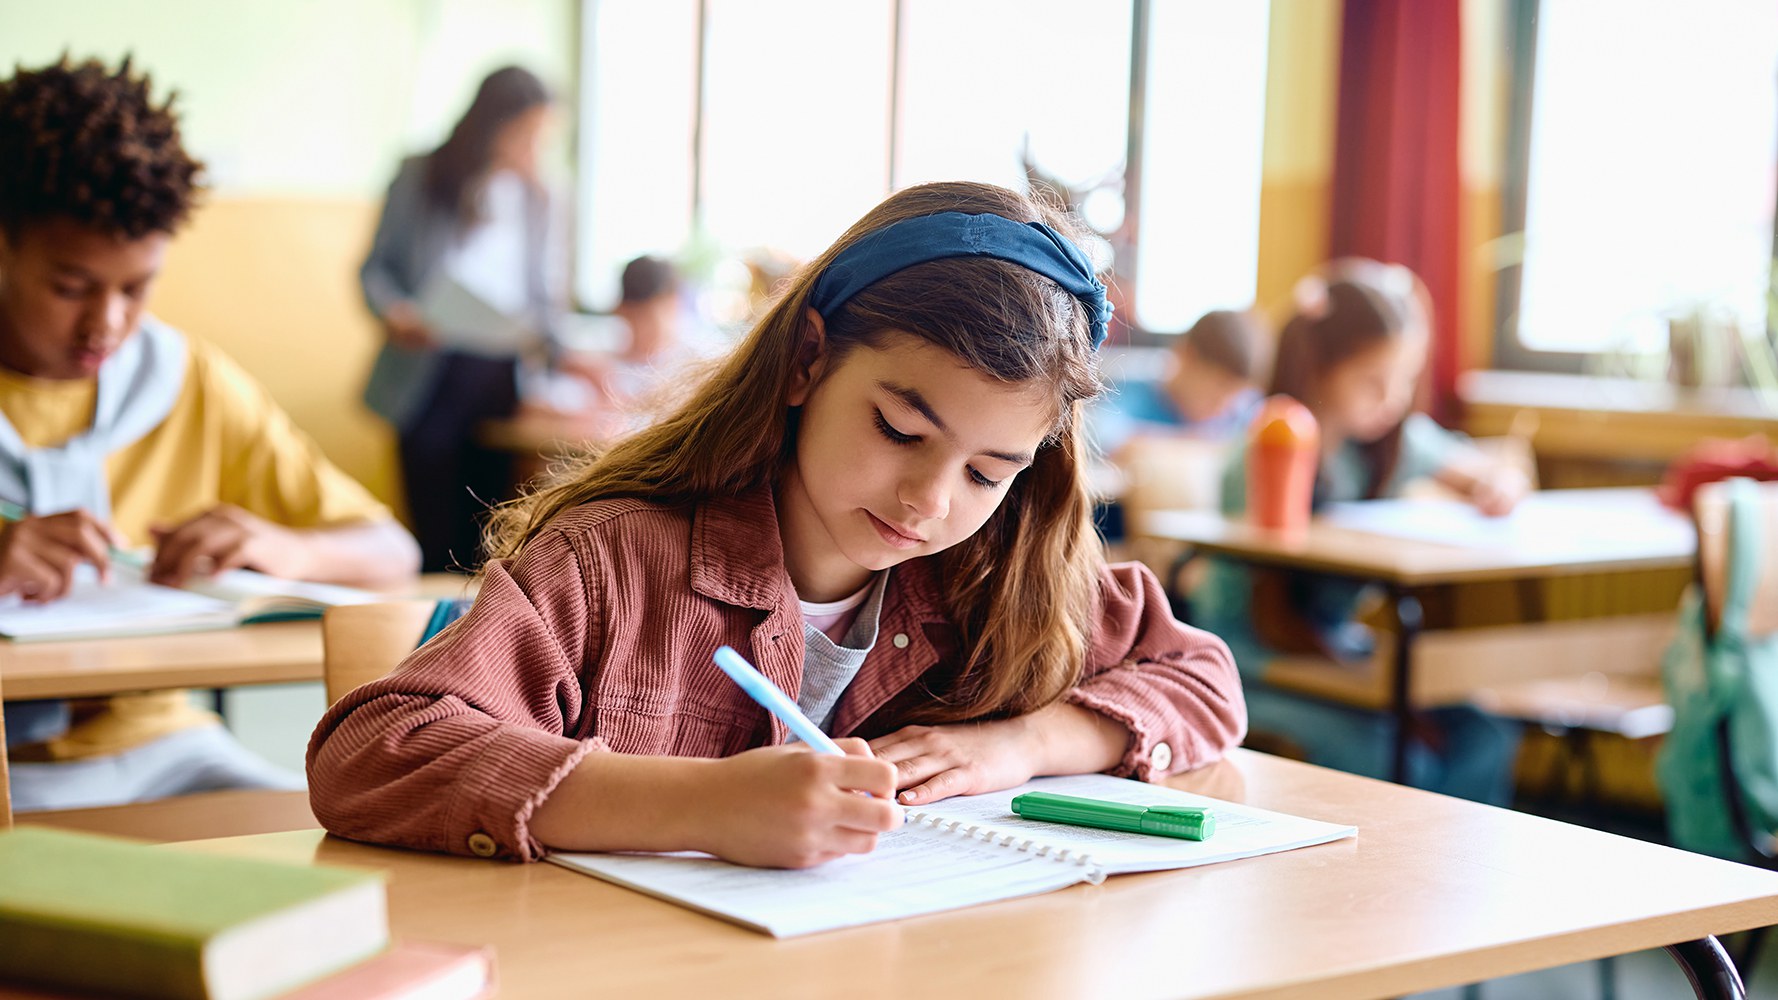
116 429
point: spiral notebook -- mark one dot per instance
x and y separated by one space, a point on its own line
960 852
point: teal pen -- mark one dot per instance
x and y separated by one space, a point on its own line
1184 822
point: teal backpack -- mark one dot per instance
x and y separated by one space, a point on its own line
1718 767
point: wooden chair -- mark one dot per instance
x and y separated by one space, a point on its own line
362 642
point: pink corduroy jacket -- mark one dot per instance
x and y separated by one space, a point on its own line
598 639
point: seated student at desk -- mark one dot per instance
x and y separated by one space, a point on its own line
617 385
116 429
1206 390
1353 353
877 497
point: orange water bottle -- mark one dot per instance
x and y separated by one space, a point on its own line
1283 447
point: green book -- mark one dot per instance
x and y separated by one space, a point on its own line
97 913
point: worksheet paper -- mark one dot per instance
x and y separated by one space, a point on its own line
959 852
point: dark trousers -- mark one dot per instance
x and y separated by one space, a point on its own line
451 479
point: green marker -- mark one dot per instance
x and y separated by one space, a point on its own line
1163 821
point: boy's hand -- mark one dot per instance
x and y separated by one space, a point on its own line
937 762
38 555
222 538
793 807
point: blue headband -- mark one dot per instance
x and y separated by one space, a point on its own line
897 247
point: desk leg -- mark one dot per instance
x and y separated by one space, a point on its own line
1408 619
1707 966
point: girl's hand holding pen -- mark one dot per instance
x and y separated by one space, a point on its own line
38 555
791 807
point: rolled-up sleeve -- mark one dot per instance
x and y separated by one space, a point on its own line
454 750
1172 686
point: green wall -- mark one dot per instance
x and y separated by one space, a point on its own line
304 97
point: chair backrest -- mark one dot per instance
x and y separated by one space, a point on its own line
362 642
1719 550
1172 473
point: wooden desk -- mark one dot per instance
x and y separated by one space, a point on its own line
1583 418
272 653
1655 539
1433 892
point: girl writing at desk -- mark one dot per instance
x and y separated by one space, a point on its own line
878 499
1353 353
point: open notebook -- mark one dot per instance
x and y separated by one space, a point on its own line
959 852
129 605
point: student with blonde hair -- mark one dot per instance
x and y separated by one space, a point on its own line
878 499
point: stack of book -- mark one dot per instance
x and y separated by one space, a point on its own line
82 915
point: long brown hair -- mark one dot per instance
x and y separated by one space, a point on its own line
453 168
1023 588
1349 306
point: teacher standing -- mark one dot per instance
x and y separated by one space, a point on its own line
474 212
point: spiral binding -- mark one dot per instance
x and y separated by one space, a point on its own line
1000 838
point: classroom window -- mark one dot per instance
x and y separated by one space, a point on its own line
638 109
1652 167
796 140
1201 161
984 84
712 128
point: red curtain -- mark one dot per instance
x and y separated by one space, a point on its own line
1397 193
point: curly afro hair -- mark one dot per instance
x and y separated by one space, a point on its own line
79 141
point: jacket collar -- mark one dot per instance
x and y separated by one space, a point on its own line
736 554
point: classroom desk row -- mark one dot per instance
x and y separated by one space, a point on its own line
1554 534
1433 892
272 653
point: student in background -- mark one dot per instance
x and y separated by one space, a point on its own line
116 429
1354 353
878 499
1207 388
649 310
475 211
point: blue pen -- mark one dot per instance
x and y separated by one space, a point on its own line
774 701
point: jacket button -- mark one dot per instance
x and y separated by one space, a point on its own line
900 640
482 846
1161 756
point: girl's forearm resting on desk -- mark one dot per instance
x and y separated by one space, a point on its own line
779 807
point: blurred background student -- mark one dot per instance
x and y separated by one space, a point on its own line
652 342
1207 386
1354 354
477 212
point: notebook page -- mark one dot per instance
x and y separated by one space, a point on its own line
1241 831
914 870
1547 521
239 585
126 605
